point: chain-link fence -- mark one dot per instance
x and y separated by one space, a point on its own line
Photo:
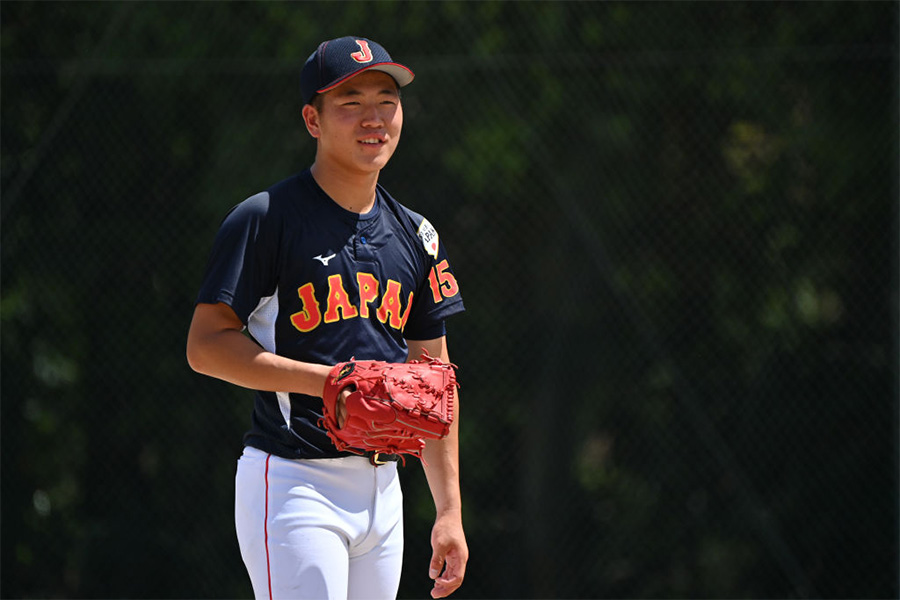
675 230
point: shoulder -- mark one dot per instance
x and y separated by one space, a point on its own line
415 223
291 186
402 210
254 207
270 202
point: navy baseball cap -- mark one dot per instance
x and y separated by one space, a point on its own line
336 61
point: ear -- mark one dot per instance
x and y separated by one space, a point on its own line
311 120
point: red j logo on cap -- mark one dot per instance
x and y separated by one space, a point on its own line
364 55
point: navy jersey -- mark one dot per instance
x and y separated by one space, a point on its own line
316 283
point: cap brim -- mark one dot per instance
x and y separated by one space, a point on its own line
402 75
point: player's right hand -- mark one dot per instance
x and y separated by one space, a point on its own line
342 405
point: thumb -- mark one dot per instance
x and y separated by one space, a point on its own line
436 566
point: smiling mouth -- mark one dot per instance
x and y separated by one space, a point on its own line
372 141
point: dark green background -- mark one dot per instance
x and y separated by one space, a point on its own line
674 225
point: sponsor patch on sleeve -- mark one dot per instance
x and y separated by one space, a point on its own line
429 236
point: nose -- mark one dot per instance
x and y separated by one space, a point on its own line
372 116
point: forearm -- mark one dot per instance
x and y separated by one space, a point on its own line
217 347
233 357
441 465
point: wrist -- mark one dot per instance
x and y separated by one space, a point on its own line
450 512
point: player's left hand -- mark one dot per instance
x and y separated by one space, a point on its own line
449 555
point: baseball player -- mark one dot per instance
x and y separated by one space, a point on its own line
321 268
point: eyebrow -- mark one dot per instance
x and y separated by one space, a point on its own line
390 91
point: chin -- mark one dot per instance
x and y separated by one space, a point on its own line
376 164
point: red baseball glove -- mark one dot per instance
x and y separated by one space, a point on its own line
394 407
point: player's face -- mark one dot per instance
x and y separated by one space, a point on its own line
358 126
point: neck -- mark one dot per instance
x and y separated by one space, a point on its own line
351 191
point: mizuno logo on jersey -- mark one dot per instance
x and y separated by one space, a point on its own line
324 259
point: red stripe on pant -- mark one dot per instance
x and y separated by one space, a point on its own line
266 528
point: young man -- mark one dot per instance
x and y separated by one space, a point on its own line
323 267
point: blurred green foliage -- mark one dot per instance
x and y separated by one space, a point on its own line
674 224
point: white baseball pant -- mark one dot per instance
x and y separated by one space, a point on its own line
316 529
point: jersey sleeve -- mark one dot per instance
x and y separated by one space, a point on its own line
240 270
438 296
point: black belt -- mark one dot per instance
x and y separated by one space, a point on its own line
380 458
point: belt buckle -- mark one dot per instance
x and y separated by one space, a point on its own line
377 460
